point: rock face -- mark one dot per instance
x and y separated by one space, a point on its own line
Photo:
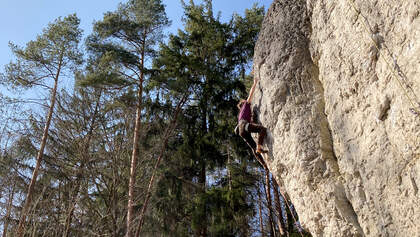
339 92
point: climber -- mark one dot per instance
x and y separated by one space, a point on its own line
246 126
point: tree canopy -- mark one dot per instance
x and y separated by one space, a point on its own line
143 144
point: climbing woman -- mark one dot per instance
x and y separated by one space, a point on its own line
246 126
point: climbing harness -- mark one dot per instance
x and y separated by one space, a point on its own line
412 100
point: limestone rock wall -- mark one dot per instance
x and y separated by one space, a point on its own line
339 91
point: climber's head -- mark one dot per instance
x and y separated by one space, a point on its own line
241 102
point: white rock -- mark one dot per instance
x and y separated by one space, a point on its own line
342 140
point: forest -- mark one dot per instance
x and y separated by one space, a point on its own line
143 143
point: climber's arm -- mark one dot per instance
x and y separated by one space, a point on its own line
251 92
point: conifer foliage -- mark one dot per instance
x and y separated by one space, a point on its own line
124 40
42 63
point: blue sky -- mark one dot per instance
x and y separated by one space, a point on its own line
23 20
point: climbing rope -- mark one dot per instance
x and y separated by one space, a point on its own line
290 209
415 110
291 212
284 197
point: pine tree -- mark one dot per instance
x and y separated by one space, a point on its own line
88 143
39 64
208 59
194 176
124 40
72 138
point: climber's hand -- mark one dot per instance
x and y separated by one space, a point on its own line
256 79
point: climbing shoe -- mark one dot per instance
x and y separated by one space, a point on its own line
261 151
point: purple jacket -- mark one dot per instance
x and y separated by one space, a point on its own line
245 112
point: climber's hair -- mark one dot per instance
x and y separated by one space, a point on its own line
241 102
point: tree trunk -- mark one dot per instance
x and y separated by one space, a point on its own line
260 207
85 158
229 175
269 204
168 132
134 155
202 232
202 181
280 223
71 211
21 228
35 224
8 211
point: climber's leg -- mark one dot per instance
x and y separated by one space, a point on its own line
245 130
251 143
262 131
